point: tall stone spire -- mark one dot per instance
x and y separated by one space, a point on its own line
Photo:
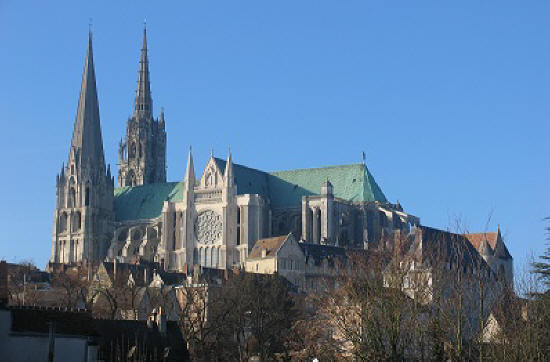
143 154
190 171
143 102
87 141
229 171
84 189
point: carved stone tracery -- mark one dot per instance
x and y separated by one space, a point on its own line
208 227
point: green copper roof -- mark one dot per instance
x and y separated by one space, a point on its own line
248 180
350 182
145 202
282 188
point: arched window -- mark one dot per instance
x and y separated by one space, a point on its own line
208 257
131 179
132 150
77 221
140 151
215 257
203 257
72 197
238 225
63 222
87 196
195 256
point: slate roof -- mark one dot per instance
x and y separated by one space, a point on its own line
283 188
320 252
439 246
126 333
36 320
105 333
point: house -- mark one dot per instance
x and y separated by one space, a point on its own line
281 255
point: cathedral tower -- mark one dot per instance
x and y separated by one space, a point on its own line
142 156
84 188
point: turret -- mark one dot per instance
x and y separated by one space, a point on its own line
228 174
327 189
189 174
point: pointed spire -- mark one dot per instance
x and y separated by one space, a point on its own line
87 129
161 116
190 171
143 101
229 170
501 251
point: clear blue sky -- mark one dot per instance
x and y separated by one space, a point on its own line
449 99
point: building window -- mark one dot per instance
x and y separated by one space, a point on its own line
87 196
72 197
77 221
63 222
132 150
238 225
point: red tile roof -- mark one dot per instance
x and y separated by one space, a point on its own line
476 238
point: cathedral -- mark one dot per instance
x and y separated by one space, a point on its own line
212 218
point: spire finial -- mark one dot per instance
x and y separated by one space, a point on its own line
90 26
212 152
364 157
143 102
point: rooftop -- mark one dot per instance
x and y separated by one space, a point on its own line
283 189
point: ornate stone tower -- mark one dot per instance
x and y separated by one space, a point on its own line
142 156
84 188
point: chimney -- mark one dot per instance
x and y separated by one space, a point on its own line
3 283
264 252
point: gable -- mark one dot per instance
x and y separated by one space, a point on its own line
271 245
212 175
